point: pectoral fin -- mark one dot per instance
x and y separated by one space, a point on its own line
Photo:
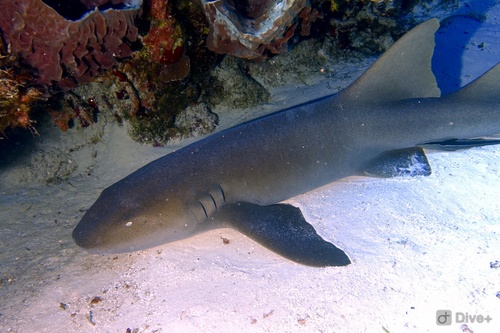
282 229
408 162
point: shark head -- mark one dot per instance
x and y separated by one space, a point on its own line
124 220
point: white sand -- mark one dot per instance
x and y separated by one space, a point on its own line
417 246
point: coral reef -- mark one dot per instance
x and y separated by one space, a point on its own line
152 88
118 101
164 41
16 98
16 102
164 45
169 73
249 29
64 52
369 27
232 87
194 120
146 63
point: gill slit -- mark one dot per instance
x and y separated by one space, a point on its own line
223 194
204 209
213 200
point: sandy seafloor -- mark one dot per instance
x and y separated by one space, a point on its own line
417 245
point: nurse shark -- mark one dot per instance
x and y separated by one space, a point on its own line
238 177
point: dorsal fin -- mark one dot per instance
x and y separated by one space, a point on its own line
486 87
403 71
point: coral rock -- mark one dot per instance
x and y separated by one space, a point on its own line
164 40
66 52
247 29
164 45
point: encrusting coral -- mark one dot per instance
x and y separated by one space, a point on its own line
16 98
164 45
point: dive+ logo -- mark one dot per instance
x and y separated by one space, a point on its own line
445 317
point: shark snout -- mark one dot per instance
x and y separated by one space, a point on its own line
106 231
87 238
